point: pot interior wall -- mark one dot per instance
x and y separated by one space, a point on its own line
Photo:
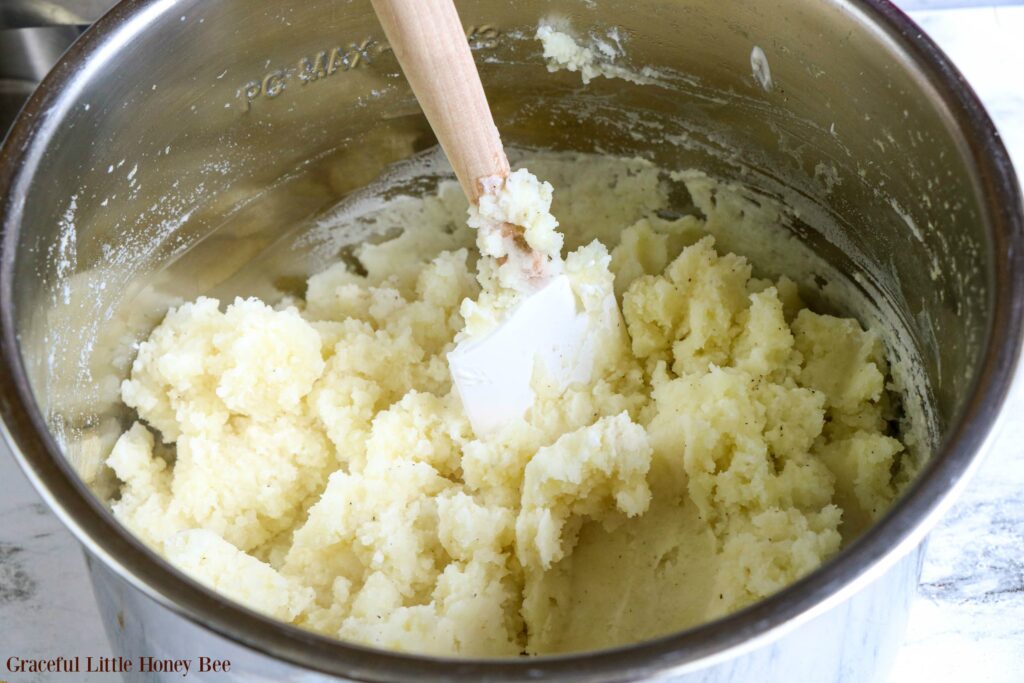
199 141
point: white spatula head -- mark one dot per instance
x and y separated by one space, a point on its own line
493 374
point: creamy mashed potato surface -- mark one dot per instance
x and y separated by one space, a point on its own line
311 459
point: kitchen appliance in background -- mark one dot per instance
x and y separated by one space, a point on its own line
33 36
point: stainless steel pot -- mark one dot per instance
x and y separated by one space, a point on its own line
169 149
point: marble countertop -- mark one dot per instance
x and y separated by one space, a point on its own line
967 623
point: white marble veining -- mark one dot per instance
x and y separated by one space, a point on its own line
967 623
46 602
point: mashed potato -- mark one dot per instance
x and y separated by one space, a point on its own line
312 461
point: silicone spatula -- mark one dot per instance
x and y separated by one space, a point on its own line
492 374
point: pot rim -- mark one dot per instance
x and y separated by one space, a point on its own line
900 530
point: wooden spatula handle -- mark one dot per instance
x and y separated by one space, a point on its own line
428 39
